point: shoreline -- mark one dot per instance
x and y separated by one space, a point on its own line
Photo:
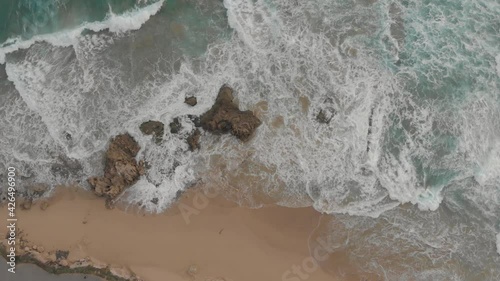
190 241
28 271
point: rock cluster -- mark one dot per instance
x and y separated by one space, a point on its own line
175 126
121 169
60 261
226 117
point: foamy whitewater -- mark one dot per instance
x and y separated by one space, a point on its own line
409 164
498 243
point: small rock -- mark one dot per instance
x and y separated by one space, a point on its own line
195 119
194 140
62 255
325 115
39 257
121 273
26 249
63 263
41 249
52 256
44 205
34 247
97 263
175 126
154 128
26 205
192 101
80 263
192 270
109 204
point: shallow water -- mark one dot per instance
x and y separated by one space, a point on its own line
412 155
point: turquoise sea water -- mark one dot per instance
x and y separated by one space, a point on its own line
409 165
26 18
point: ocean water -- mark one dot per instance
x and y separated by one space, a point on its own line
409 165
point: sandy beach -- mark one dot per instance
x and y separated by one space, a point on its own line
195 240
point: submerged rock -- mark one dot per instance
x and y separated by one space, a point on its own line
175 126
154 128
226 117
192 101
44 205
194 140
26 204
195 119
36 190
327 111
325 115
121 169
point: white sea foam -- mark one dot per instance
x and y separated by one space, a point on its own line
131 20
280 56
498 243
497 60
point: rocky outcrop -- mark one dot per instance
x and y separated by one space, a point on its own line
121 169
226 117
154 128
61 262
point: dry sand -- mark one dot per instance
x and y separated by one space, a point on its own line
221 241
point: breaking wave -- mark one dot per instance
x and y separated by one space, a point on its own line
408 163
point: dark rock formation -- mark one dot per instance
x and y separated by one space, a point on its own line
154 128
192 101
195 119
66 167
225 117
194 140
370 124
175 126
62 255
326 114
121 169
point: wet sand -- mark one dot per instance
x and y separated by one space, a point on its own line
218 240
